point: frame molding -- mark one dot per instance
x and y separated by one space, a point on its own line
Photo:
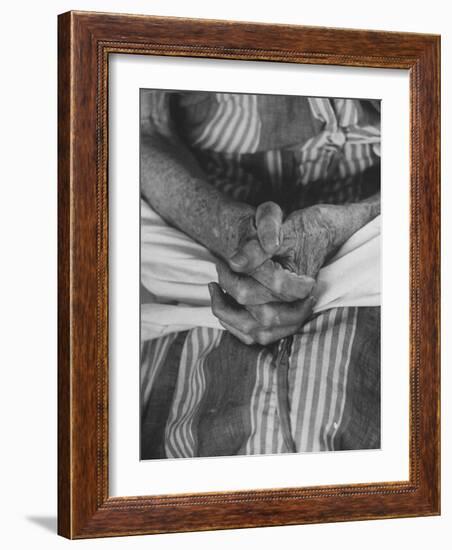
85 41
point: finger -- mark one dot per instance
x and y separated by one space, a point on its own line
283 283
244 289
250 256
265 337
268 222
244 338
226 310
283 314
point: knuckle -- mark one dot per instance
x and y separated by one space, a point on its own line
263 338
278 285
266 316
248 340
242 337
268 236
241 295
248 327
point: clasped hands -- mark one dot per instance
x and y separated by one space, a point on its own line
266 284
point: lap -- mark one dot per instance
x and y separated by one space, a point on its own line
206 394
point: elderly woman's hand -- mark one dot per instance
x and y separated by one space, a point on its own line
265 301
275 261
268 281
259 324
254 272
300 245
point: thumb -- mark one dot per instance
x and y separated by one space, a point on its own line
249 257
269 218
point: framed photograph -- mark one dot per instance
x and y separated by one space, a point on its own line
248 275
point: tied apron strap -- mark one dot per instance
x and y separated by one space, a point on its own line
342 141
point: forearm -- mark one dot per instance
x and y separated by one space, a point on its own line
175 186
344 220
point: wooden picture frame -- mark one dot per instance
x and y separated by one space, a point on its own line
85 42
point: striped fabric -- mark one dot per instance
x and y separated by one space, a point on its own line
253 147
265 436
318 382
203 393
235 126
228 144
343 148
227 173
180 438
274 166
152 359
225 402
271 176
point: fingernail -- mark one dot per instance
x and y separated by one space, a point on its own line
210 287
270 242
239 260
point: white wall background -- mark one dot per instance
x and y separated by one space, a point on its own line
28 269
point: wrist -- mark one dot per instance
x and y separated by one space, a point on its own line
343 221
236 223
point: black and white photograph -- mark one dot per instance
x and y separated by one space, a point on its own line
260 274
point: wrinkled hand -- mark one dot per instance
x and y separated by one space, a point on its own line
305 240
268 298
300 245
260 270
276 261
259 324
271 307
268 281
